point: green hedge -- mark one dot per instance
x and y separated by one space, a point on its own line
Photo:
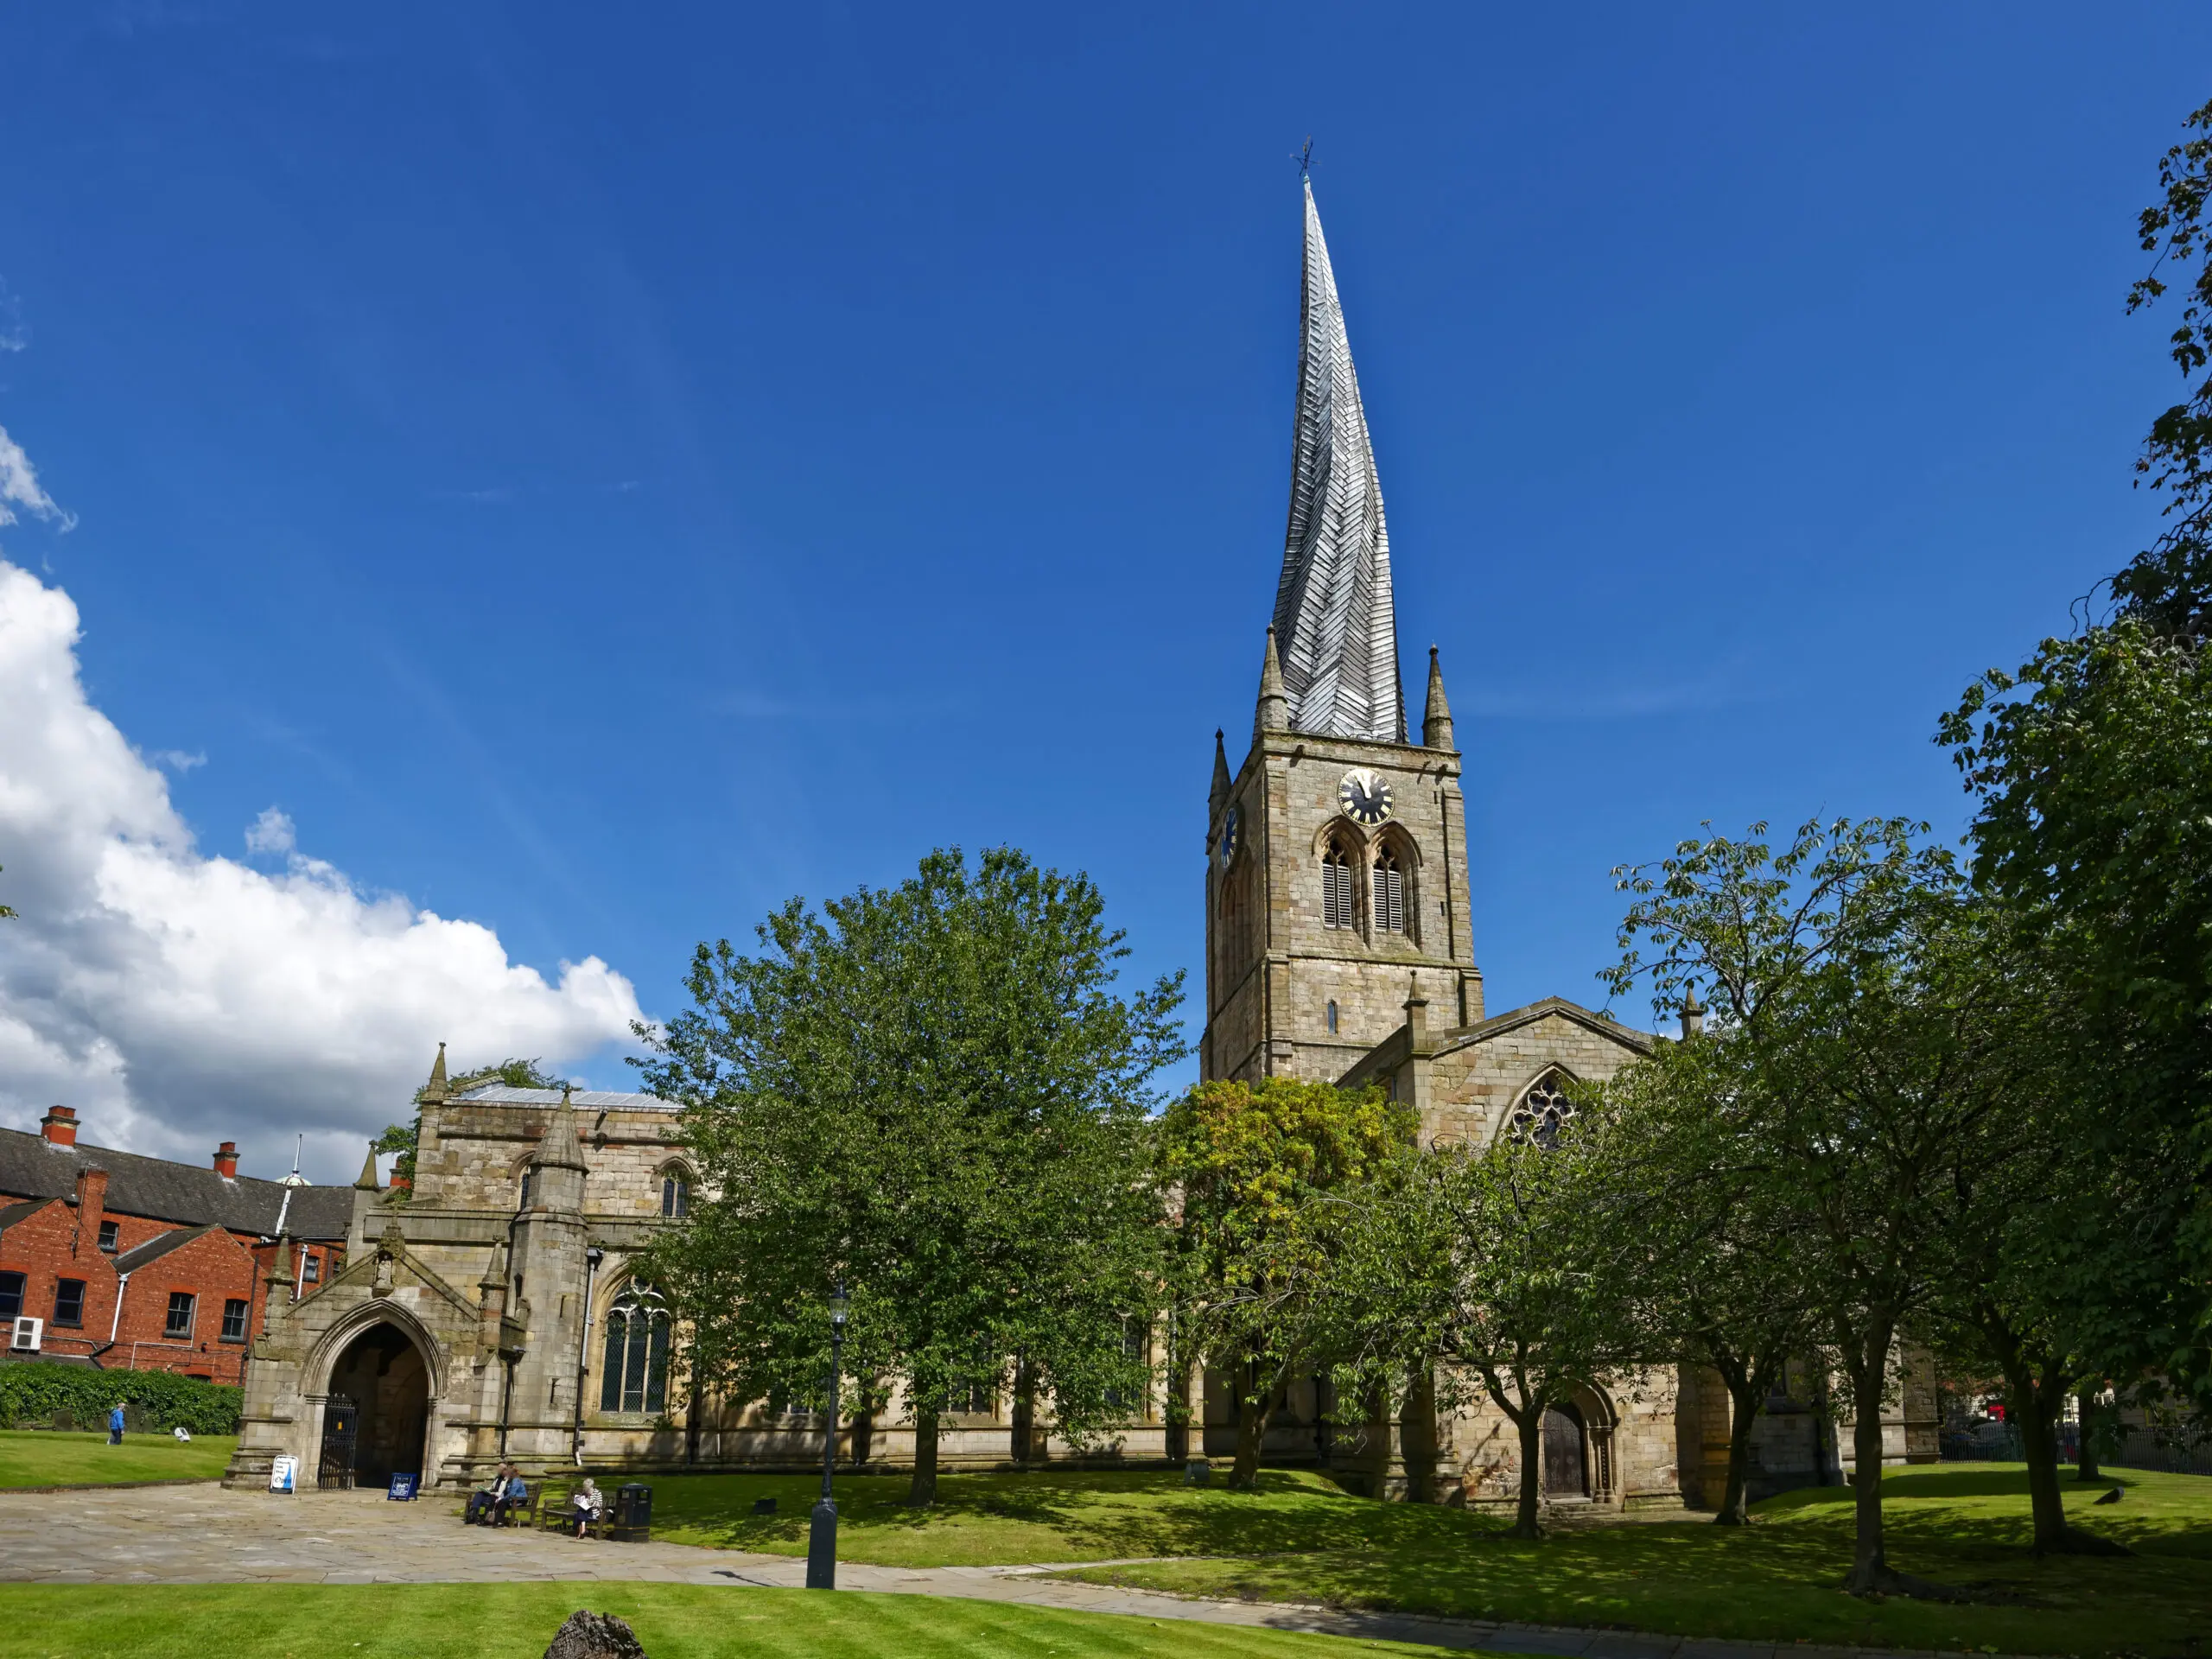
31 1392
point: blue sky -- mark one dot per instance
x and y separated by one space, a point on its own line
597 473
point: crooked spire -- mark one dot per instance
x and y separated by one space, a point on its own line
1335 625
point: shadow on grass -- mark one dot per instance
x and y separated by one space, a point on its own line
1072 1516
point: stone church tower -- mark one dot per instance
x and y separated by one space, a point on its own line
1337 868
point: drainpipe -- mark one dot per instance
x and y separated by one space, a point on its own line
593 1257
122 1284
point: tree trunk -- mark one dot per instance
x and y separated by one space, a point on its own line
2034 1403
1177 1408
2031 1408
1377 1446
1024 1425
2085 1467
1417 1433
1869 1368
1254 1406
922 1491
1747 1391
863 1429
1530 1424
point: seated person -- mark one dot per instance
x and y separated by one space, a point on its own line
493 1502
515 1495
586 1504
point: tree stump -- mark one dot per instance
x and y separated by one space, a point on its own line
595 1636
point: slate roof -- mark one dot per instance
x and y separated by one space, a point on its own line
33 1167
584 1100
154 1248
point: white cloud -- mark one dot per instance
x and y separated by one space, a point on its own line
177 760
178 1000
272 832
19 484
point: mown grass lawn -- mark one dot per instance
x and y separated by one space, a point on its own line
1960 1525
515 1621
1009 1520
43 1458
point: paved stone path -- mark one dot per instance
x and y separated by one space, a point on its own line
204 1535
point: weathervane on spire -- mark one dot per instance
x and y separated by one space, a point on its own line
1305 158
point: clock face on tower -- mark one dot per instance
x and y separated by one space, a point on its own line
1224 848
1364 797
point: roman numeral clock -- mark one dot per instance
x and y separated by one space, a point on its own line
1365 796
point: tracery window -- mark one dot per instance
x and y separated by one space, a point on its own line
1543 1110
635 1378
1336 885
1389 892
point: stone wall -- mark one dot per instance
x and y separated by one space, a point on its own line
1272 965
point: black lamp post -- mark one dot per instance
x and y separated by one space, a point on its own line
822 1536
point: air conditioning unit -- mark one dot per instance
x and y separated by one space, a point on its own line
26 1339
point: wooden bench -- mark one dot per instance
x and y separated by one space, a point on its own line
558 1514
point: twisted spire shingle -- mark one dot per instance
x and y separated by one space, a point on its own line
1334 625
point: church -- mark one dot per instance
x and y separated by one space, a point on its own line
489 1312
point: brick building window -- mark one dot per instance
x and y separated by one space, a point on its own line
11 1295
635 1378
675 1195
108 1237
235 1310
1336 885
68 1301
313 1274
179 1328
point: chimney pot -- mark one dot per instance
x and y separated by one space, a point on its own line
226 1160
59 1126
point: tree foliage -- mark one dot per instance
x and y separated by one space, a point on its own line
1877 1036
1243 1165
929 1094
2169 587
1513 1264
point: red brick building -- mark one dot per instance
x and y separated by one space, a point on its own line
139 1263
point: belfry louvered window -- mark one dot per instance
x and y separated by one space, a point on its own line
1336 887
1389 894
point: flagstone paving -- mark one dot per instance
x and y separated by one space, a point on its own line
204 1535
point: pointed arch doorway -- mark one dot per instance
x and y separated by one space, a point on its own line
378 1413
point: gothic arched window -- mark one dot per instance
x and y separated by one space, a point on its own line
1389 892
675 1194
1336 885
1333 1018
1543 1109
636 1374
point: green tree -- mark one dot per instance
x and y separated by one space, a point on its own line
2169 587
1513 1263
2093 825
930 1094
1241 1164
1717 1264
1881 1048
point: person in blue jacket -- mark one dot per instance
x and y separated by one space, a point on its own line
114 1425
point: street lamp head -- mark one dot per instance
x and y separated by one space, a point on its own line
595 1255
838 1307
